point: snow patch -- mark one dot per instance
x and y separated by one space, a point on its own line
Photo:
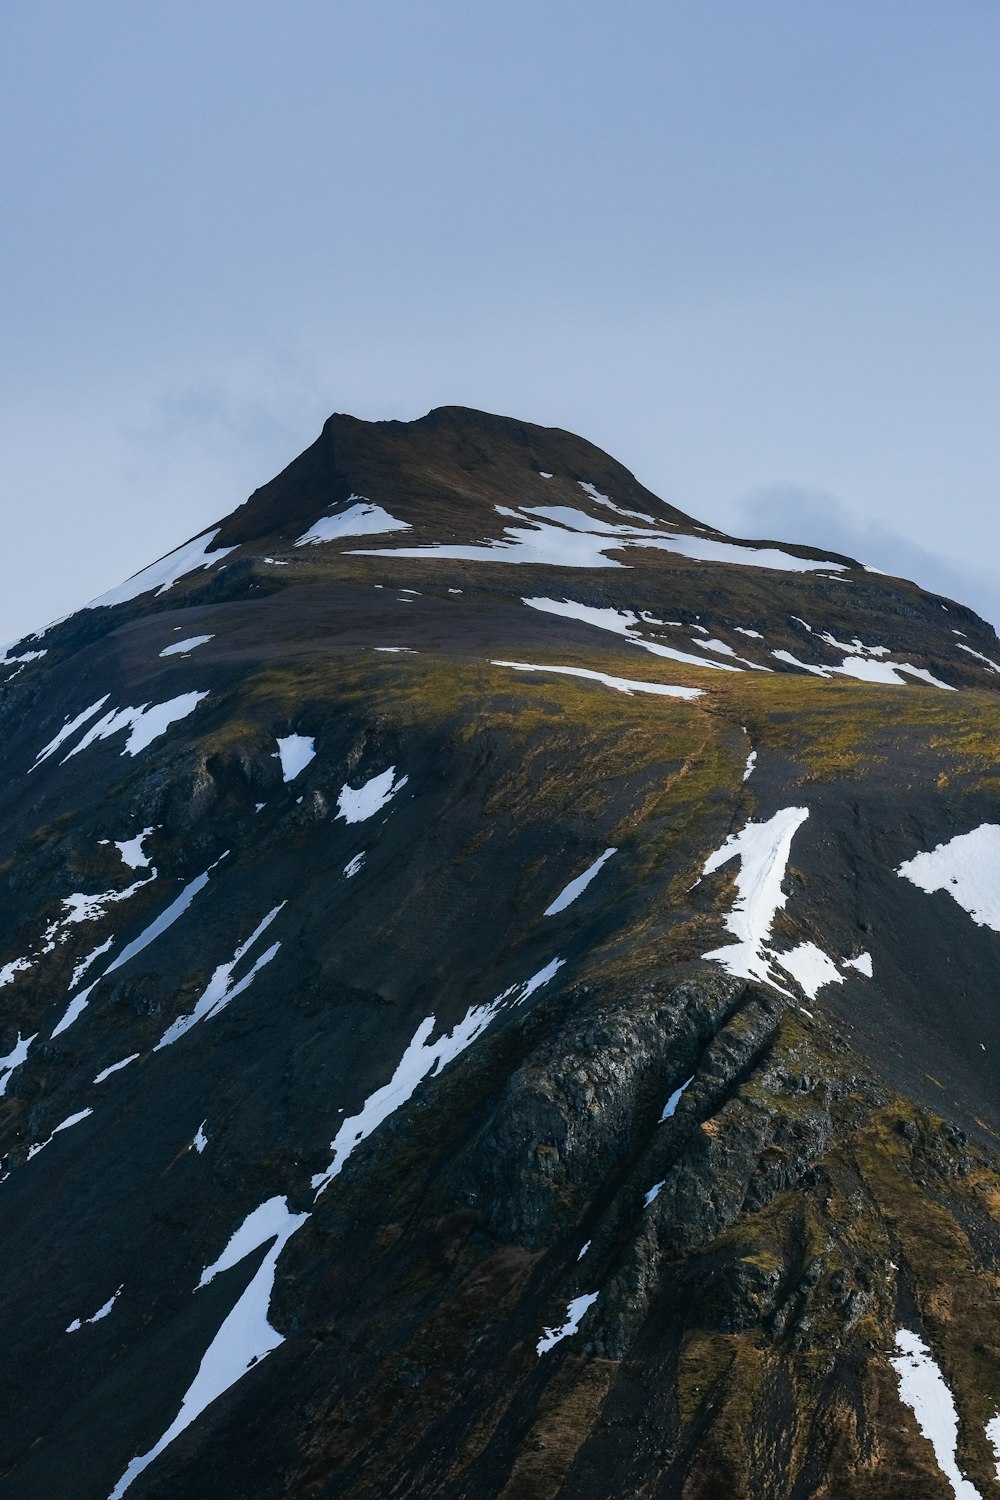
624 623
420 1059
245 1337
66 1124
863 964
145 724
16 966
763 850
356 804
576 887
131 850
101 1312
14 1059
670 1108
159 925
295 751
201 1139
574 1315
354 865
164 574
560 536
361 518
968 868
220 989
626 685
988 660
922 1387
116 1067
180 648
70 727
810 968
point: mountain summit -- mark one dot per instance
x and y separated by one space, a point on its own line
498 1003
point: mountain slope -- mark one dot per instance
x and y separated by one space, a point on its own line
497 989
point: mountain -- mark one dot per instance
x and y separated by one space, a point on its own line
498 991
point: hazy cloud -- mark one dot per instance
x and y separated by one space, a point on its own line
788 513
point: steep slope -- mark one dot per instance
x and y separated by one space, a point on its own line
498 1001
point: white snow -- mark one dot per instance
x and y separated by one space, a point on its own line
922 1387
101 1312
745 630
561 536
356 804
81 907
354 865
670 1108
201 1139
544 474
605 500
6 660
66 1124
179 648
164 574
574 1313
131 850
68 728
627 685
864 669
751 765
396 650
420 1059
993 1433
624 623
220 989
116 1067
14 1059
361 518
863 964
536 981
584 1250
853 647
245 1337
653 1193
723 649
763 850
886 671
295 751
793 661
968 868
159 925
576 887
145 723
85 963
16 966
810 967
988 660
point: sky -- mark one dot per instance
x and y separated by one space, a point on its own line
751 250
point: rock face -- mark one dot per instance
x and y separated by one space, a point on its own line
498 1002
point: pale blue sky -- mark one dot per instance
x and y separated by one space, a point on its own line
750 249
